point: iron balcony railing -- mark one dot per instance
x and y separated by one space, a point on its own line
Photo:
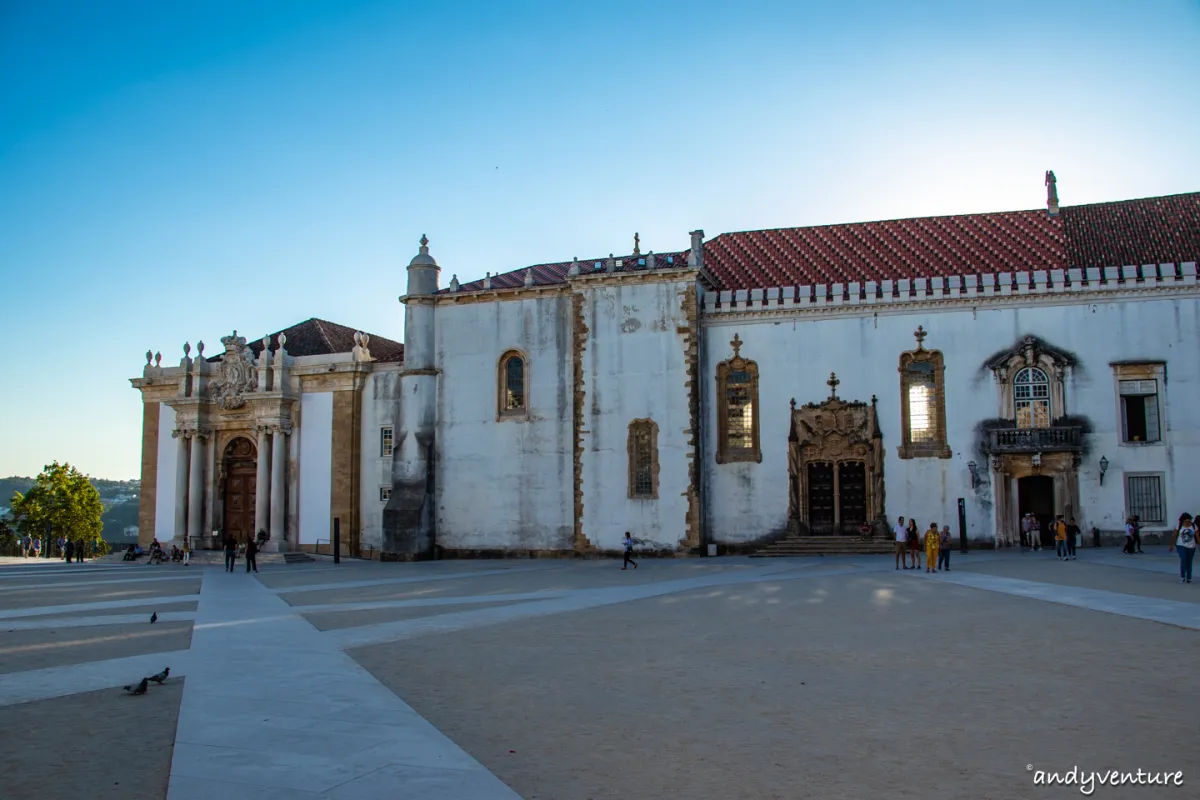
1035 440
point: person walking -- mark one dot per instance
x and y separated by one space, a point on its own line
932 543
187 552
1129 529
1072 538
80 547
628 550
231 549
914 542
901 534
251 554
70 550
1060 538
1184 541
944 549
1137 534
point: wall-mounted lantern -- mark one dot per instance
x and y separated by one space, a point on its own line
974 474
1103 468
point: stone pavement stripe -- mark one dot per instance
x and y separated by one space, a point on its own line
308 719
44 684
1171 612
39 611
421 602
115 581
449 576
87 622
383 632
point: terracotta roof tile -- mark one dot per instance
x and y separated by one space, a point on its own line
550 274
318 337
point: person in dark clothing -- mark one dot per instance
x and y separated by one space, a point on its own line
1137 533
70 548
230 553
251 552
628 543
1072 532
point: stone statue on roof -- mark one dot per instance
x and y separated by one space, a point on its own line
1051 188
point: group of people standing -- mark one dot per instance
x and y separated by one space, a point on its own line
910 541
232 548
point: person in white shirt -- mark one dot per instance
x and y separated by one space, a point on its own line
901 533
628 543
1184 541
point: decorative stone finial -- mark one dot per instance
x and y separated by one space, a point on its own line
266 343
637 250
200 349
793 402
149 357
424 242
187 349
366 339
650 260
358 338
529 277
158 359
920 334
832 383
487 281
736 344
454 283
611 264
574 270
282 340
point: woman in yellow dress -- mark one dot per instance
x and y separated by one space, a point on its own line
932 540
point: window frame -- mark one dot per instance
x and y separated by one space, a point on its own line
387 441
632 452
725 454
520 413
937 447
1141 371
1031 400
1164 522
385 494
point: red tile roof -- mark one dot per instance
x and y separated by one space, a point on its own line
319 337
1153 230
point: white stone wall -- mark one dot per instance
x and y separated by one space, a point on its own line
795 354
504 484
634 367
316 466
164 499
380 408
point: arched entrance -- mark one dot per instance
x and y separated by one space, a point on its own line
239 466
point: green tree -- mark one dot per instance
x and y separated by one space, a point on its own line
62 502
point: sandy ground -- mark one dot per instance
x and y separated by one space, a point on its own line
38 649
102 745
851 687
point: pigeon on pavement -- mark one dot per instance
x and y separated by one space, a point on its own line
139 689
160 677
154 618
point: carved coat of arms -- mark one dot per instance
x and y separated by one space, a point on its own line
238 374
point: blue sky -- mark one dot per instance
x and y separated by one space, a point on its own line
171 171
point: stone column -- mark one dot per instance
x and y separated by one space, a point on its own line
261 485
181 484
196 486
278 474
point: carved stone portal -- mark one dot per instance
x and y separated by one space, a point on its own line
238 374
835 467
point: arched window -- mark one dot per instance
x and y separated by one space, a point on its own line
737 408
643 459
513 380
923 402
1031 398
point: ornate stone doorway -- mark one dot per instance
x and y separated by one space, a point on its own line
239 466
835 467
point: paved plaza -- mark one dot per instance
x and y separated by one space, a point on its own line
705 679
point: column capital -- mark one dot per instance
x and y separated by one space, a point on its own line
280 427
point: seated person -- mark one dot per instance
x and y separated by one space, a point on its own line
138 551
130 554
176 553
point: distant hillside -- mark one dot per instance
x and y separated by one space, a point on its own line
112 493
118 518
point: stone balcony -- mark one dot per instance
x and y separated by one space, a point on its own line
1055 439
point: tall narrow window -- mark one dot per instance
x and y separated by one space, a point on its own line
643 459
1031 398
513 386
1144 498
1139 411
385 441
737 408
923 402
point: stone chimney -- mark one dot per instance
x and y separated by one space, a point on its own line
696 256
1051 193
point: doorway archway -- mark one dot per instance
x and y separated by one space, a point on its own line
1035 495
239 466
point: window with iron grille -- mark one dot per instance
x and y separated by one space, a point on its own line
1139 411
1031 396
922 394
385 493
739 431
1144 498
385 441
643 457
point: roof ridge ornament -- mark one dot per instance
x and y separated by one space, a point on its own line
920 333
637 249
736 344
1051 193
832 383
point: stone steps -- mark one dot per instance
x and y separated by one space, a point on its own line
824 546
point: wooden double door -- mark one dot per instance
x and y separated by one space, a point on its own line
240 468
837 497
